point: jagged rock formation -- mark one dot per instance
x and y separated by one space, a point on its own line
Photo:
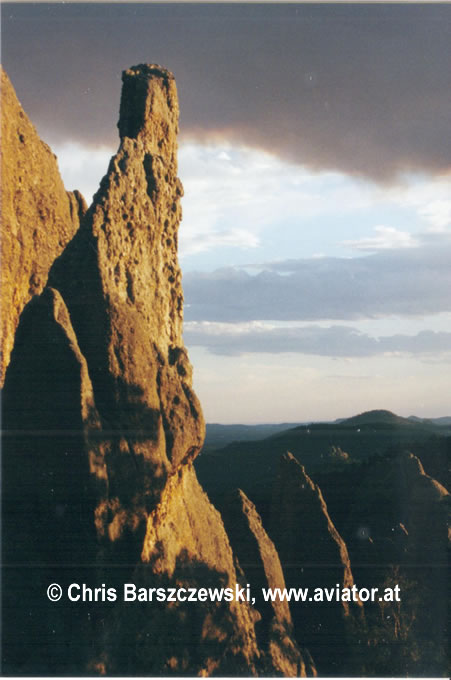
336 453
38 216
397 533
425 507
398 514
102 426
303 530
121 282
312 554
261 567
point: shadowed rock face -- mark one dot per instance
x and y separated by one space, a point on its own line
38 216
302 529
312 554
53 473
261 567
426 509
102 427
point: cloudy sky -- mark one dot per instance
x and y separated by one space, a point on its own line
315 152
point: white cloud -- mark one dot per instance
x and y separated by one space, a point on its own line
312 339
235 238
241 190
401 282
241 198
430 198
82 167
386 238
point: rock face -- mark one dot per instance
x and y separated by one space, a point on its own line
102 426
261 567
186 546
38 216
312 554
121 282
53 473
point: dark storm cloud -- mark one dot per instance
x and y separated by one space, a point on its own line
410 282
359 88
336 341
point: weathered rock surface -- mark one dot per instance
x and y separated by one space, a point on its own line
260 563
186 546
38 216
102 426
121 282
312 554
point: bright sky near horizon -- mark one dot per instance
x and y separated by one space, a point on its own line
316 159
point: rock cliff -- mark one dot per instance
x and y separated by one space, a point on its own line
102 426
38 216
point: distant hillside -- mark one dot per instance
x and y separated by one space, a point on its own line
251 464
218 436
444 421
378 417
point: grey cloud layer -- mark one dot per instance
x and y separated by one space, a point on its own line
335 341
359 88
411 282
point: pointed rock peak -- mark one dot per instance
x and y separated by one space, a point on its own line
310 547
291 468
260 564
415 477
239 496
149 106
411 463
295 498
287 460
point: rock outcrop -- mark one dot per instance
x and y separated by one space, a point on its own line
397 534
102 427
259 561
121 282
38 216
425 507
313 555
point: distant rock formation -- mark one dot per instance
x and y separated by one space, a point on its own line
397 534
313 555
102 427
38 216
425 507
261 567
402 511
336 453
425 514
